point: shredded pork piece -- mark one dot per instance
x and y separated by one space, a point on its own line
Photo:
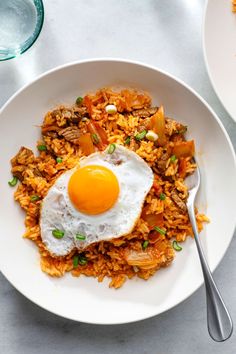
161 163
178 201
71 134
145 112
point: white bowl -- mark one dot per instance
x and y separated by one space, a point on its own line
219 48
84 299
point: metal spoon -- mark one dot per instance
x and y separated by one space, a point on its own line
220 325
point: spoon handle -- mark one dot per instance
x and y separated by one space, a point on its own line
220 325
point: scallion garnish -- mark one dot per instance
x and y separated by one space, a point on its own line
34 198
59 160
176 246
79 100
82 260
127 140
58 233
151 135
95 138
42 147
161 231
111 109
79 259
76 261
112 148
162 196
173 158
80 237
141 135
145 244
13 182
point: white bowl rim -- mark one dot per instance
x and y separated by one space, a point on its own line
119 60
207 63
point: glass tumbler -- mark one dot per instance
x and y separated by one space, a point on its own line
20 24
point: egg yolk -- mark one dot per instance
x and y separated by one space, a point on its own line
93 189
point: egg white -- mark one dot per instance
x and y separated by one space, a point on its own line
135 179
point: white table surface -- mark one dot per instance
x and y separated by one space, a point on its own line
163 33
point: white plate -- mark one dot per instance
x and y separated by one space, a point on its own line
219 45
84 299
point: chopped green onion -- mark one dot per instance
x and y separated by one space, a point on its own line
145 244
173 158
141 135
158 229
80 237
112 148
79 100
95 138
127 140
13 182
76 261
111 109
176 246
34 198
162 196
58 233
42 147
82 260
151 136
59 159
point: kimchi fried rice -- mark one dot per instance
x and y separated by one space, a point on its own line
66 137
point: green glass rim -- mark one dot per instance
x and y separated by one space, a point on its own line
24 46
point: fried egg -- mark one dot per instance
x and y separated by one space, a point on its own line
99 199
